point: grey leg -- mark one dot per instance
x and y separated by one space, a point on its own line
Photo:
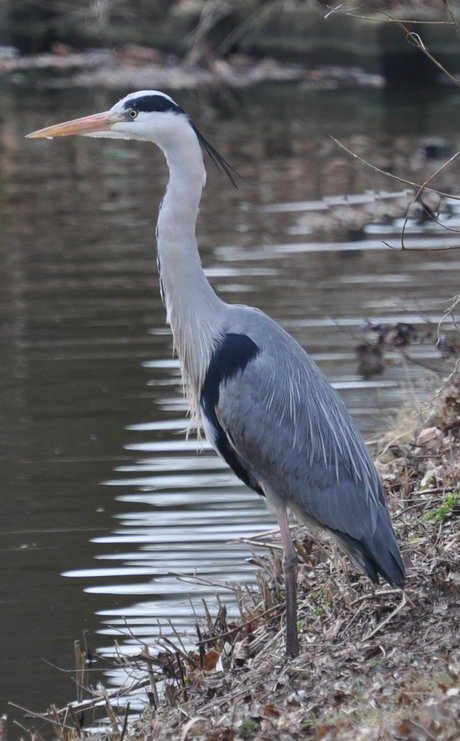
290 577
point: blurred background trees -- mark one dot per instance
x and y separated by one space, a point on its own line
200 31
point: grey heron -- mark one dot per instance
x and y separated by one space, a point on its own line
264 405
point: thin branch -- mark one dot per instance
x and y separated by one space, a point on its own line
451 16
420 187
412 183
389 19
410 35
419 192
387 619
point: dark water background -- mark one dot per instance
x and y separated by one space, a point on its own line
89 389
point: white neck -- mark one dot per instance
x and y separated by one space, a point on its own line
193 309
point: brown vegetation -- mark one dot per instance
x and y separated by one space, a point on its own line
374 663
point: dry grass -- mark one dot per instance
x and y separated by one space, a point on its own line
374 664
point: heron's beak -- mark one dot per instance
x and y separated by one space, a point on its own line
87 125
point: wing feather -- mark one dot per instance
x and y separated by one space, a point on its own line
286 422
285 425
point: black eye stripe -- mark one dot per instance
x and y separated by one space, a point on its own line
151 103
157 103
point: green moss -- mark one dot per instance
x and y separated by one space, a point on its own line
248 727
451 498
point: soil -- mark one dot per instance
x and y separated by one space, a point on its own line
374 663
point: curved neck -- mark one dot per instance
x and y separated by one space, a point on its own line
193 309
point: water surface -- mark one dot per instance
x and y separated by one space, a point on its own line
103 499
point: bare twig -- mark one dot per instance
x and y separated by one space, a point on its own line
419 192
411 36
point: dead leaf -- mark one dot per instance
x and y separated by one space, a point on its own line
403 729
220 734
270 710
431 439
210 660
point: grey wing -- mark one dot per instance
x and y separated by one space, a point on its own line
275 418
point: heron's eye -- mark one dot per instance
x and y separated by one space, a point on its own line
132 113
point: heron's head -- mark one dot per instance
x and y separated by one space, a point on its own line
147 115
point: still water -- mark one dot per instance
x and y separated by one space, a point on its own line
103 500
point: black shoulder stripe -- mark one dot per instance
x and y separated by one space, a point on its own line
231 356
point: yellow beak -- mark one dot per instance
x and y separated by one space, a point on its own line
86 125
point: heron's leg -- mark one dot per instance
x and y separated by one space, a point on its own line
290 578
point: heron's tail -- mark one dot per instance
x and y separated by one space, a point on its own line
376 556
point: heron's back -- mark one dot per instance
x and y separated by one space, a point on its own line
274 417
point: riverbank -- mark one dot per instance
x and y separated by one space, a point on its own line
238 46
142 68
374 664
